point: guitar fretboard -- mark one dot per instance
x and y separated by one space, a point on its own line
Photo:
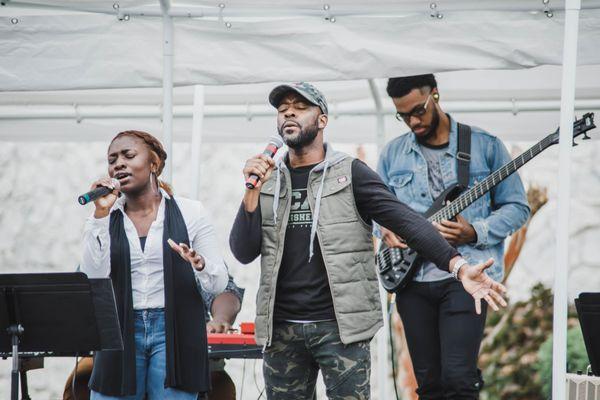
467 198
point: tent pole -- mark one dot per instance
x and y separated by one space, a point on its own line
383 335
567 110
198 119
167 109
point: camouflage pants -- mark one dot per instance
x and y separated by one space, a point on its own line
299 350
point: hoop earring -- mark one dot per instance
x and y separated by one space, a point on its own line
154 183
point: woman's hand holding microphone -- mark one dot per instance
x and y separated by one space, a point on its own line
104 204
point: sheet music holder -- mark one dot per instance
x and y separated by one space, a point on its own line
588 311
55 314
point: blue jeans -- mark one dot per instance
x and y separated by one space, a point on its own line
150 361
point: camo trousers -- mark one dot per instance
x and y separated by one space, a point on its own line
299 350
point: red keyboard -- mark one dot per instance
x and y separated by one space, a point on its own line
234 345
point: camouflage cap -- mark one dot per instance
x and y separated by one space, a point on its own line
304 89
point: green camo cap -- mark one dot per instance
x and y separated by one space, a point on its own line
304 89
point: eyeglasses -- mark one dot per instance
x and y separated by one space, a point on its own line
417 112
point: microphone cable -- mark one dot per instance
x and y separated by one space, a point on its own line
75 377
260 392
243 379
390 310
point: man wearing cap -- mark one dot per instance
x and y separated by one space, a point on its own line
309 218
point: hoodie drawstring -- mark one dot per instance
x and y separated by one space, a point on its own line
315 219
276 193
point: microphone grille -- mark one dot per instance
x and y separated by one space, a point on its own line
276 141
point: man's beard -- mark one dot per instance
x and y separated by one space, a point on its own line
305 136
435 122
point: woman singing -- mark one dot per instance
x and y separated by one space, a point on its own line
158 251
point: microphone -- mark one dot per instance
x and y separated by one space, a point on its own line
97 193
274 144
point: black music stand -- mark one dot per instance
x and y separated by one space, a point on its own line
588 311
56 314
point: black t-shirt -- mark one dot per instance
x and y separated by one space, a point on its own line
302 287
303 291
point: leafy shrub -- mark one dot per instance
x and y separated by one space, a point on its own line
577 359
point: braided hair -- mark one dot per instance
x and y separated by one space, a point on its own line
156 150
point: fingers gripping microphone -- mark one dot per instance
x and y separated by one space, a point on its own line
275 143
97 193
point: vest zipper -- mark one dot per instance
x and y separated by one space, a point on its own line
271 308
311 196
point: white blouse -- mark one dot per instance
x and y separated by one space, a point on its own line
147 280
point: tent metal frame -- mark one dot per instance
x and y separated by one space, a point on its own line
81 112
327 11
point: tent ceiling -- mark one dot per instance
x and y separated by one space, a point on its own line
57 56
59 51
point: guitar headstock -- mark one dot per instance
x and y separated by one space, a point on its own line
580 127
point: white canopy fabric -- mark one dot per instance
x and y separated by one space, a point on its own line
57 50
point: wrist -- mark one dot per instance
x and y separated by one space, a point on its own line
462 271
473 234
458 268
220 320
250 201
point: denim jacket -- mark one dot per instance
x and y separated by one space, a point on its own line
494 216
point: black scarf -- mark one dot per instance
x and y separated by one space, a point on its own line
186 346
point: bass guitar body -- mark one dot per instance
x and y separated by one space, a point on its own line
396 266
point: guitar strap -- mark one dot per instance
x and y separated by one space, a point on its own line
463 156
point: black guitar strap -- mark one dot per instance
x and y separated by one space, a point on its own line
463 156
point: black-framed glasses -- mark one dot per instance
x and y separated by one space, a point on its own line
417 112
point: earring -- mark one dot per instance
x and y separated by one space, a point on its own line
436 96
154 181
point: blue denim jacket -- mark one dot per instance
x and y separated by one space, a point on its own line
494 216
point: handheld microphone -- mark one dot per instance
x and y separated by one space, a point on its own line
275 142
97 193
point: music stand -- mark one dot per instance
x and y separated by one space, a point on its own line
56 314
588 311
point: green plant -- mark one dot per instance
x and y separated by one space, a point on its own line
512 339
577 359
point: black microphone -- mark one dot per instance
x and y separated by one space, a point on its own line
100 191
275 143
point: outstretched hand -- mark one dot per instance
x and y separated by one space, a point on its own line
480 286
188 254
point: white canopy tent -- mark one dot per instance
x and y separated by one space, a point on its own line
50 45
